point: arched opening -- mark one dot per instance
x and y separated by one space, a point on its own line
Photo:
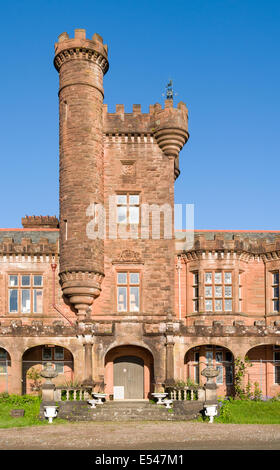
197 358
33 361
5 370
264 372
128 372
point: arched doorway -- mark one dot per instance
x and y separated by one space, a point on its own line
5 370
128 372
197 358
264 370
34 359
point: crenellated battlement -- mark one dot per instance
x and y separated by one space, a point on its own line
80 47
136 122
266 245
8 246
43 221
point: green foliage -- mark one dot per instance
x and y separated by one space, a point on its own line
225 411
240 369
249 412
181 384
36 379
257 392
31 406
18 400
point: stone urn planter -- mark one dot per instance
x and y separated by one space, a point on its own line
48 387
50 412
211 411
167 403
210 387
100 397
48 373
160 397
93 403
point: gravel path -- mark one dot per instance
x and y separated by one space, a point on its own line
142 436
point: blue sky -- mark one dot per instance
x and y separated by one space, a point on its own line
223 57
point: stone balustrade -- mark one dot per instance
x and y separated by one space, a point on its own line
188 393
72 394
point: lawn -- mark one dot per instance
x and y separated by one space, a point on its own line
249 412
31 406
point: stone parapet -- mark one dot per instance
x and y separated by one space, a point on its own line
58 328
35 221
248 244
8 246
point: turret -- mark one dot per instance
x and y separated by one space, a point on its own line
171 130
81 64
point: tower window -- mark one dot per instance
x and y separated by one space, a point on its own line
128 291
128 208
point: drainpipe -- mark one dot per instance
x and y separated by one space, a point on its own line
56 307
179 267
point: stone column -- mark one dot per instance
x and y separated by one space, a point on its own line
15 382
159 369
88 344
169 360
201 366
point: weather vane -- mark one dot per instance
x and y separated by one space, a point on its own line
169 93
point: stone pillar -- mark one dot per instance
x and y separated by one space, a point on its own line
159 370
202 360
15 383
169 360
88 344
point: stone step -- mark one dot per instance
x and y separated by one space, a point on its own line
125 411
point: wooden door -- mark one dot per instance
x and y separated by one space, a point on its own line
129 373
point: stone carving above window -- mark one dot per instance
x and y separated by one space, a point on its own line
128 256
128 169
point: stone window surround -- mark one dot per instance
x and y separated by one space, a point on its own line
275 284
236 279
128 271
20 288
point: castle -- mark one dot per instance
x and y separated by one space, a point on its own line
125 300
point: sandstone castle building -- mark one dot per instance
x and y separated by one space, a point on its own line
134 312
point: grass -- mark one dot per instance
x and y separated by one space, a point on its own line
31 406
249 412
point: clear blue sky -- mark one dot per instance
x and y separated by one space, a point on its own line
223 57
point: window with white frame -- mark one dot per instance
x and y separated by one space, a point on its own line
195 291
128 208
275 291
25 293
218 291
128 291
240 292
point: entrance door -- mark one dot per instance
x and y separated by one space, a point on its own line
129 373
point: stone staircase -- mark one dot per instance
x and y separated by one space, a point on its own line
127 411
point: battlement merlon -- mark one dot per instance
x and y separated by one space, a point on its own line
267 247
168 125
43 221
80 47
